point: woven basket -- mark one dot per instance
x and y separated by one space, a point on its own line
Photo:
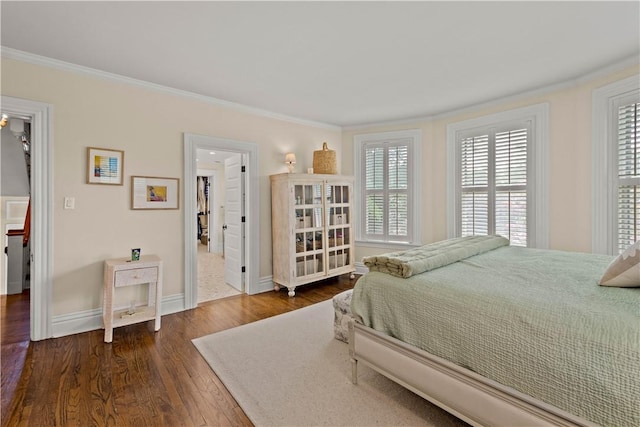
324 161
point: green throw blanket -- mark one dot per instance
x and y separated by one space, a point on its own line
435 255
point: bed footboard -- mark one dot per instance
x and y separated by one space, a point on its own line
463 393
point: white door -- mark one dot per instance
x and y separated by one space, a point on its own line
233 214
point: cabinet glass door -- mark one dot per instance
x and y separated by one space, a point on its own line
339 226
308 229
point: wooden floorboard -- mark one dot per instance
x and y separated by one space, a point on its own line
142 378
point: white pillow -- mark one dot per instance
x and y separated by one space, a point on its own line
624 271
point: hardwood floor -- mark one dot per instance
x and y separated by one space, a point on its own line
142 378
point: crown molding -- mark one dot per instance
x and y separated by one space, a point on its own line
31 58
565 84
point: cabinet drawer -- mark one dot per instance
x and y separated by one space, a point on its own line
136 276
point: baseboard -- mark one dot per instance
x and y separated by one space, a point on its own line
77 322
91 320
173 304
265 284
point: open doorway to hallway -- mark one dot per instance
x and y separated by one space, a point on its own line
40 116
15 223
242 214
15 147
213 171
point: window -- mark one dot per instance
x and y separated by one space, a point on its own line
493 178
616 166
496 176
386 179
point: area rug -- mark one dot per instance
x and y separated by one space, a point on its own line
288 370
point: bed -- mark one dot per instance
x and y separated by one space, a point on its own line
502 335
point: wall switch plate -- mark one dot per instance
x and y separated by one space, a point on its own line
69 202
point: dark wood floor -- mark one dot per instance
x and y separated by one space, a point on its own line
142 378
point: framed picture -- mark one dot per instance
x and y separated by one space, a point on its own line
150 192
105 166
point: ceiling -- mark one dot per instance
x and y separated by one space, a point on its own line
208 157
338 63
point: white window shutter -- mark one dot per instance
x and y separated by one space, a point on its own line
474 178
374 189
516 193
628 175
511 185
398 185
493 178
387 203
386 187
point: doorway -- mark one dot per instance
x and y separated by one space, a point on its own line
16 151
249 254
40 116
215 175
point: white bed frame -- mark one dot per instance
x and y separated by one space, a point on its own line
471 397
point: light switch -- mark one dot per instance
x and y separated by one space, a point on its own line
69 202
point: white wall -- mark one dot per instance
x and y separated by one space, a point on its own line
570 161
148 125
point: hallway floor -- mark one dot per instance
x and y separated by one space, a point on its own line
211 285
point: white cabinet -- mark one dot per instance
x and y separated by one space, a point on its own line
122 272
312 232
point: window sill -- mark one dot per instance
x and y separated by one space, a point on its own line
390 245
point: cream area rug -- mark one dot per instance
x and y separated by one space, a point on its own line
288 370
211 284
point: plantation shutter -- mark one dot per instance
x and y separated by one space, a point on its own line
374 189
493 183
628 175
398 185
475 185
511 185
386 178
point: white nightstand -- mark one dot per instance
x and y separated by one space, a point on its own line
124 272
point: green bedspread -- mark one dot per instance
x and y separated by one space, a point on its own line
534 320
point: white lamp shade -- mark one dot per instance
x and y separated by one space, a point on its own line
290 158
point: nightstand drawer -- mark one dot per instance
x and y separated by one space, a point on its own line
136 276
